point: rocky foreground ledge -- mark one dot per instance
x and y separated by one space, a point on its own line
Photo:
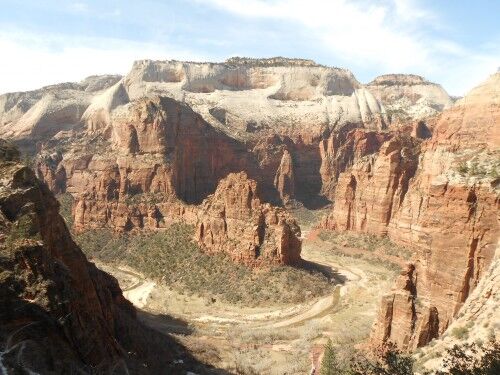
59 313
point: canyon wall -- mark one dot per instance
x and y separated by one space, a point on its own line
277 109
167 142
440 197
59 312
157 163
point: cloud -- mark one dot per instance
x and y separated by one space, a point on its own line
386 36
30 60
370 37
384 33
78 7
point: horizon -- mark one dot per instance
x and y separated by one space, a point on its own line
454 45
222 62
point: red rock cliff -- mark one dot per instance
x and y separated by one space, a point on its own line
156 158
59 312
233 220
442 201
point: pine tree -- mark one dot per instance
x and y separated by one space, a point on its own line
329 363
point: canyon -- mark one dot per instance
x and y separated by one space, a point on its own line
234 149
59 311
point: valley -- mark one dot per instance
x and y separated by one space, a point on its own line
278 339
252 216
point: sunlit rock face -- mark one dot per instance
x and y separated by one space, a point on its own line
408 96
439 196
234 220
212 144
156 161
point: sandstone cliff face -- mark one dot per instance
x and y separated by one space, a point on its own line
341 150
284 180
41 114
157 151
245 98
248 97
443 201
251 105
408 96
59 313
369 193
152 164
234 220
477 319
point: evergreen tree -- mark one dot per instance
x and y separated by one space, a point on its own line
329 364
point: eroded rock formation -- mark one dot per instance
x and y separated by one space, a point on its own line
369 193
60 314
234 220
301 131
45 112
153 163
284 180
341 150
439 197
476 321
408 96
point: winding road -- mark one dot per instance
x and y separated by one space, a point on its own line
275 317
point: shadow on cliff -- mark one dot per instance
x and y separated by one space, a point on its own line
31 340
202 155
327 271
307 167
164 323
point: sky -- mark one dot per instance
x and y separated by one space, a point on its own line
452 42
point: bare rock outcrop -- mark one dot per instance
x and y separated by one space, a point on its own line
475 322
408 96
61 314
369 193
42 113
233 220
251 102
149 168
442 201
246 98
341 150
284 180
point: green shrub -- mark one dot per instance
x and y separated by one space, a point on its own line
460 332
463 169
65 208
470 359
171 257
330 365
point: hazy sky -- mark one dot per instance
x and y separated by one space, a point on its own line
452 42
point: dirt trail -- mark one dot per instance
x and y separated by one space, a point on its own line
272 338
138 289
274 317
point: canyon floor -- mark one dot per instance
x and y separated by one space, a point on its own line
276 339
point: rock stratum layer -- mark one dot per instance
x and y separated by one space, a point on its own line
279 110
167 142
408 96
153 164
440 197
234 220
60 314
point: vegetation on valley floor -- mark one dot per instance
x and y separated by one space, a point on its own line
370 244
467 359
172 257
